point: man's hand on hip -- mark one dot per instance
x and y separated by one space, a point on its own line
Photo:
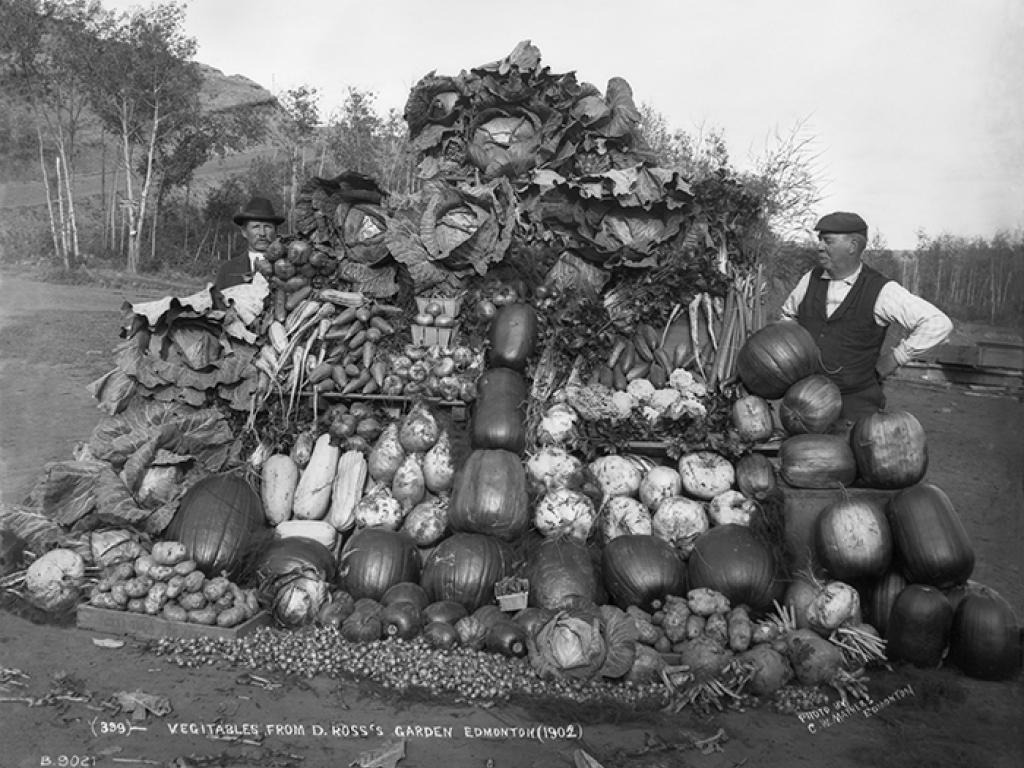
886 366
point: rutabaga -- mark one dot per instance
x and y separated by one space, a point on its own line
379 509
564 512
624 516
706 474
617 476
679 521
659 483
731 507
550 468
438 470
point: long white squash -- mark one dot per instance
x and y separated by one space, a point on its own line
313 494
349 481
280 476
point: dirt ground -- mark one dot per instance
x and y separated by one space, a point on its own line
56 339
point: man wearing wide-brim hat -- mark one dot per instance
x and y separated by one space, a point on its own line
259 228
847 306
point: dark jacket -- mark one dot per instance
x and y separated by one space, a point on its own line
233 272
850 341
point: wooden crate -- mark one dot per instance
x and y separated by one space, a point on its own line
152 627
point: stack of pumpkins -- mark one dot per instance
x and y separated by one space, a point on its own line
909 560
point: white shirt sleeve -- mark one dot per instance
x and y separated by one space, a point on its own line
792 302
926 325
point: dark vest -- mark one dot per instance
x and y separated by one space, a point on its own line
850 340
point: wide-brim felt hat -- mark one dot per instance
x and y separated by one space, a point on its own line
258 209
841 222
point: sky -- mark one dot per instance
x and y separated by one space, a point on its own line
914 108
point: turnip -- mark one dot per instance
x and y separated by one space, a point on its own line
679 521
624 516
705 474
551 468
659 483
731 507
564 512
770 670
617 476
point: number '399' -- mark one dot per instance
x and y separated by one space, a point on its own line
67 761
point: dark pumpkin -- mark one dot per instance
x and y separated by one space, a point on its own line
447 611
890 449
853 540
753 419
489 495
817 461
933 546
218 521
464 568
440 634
776 357
375 559
507 638
810 405
985 639
755 476
499 411
406 591
401 619
919 626
640 568
562 575
512 336
880 599
531 619
732 560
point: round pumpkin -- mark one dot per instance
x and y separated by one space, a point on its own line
752 417
933 546
810 405
755 476
375 559
489 495
218 520
890 449
464 568
919 626
853 540
985 639
562 575
776 357
817 461
732 560
641 568
881 597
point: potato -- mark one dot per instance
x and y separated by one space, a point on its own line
231 617
103 585
704 601
169 552
192 601
717 628
194 581
121 572
224 602
206 616
136 605
740 629
119 593
694 626
156 598
160 572
175 586
143 563
215 588
185 567
174 612
252 603
138 587
104 600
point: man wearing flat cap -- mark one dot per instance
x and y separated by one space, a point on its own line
847 306
259 227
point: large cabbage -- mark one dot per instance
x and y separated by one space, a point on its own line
585 643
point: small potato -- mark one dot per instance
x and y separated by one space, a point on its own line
103 585
192 601
694 626
175 586
119 593
185 567
169 552
174 612
717 628
252 603
137 605
121 572
143 563
215 588
104 600
206 616
194 581
160 572
138 587
231 617
225 601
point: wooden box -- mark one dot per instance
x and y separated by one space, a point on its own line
152 627
802 507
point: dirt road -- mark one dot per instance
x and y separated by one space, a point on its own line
54 340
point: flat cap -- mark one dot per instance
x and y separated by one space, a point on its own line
841 222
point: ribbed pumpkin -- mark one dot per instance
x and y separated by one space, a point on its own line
853 540
817 461
512 336
464 568
933 546
641 568
776 357
375 559
985 640
562 575
499 411
731 559
890 449
752 417
489 495
880 599
810 405
755 476
217 520
919 626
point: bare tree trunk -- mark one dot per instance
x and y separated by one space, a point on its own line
49 198
132 250
63 220
72 221
148 181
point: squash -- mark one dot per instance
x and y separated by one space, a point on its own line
731 560
817 461
755 476
985 639
349 482
880 599
512 336
447 611
775 357
280 476
562 575
919 626
810 405
752 417
853 540
934 547
499 411
218 520
640 569
375 559
464 568
890 449
408 592
489 495
313 493
401 619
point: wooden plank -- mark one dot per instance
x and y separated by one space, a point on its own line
153 627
